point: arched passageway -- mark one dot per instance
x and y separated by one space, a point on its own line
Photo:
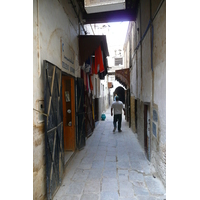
121 93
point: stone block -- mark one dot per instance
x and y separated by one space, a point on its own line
109 173
141 191
95 174
75 188
111 158
92 187
110 165
110 185
89 196
109 195
154 185
80 175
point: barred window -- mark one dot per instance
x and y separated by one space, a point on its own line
118 61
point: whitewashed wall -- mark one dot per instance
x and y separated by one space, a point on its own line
52 20
147 85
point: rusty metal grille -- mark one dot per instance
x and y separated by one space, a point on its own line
89 114
54 143
80 113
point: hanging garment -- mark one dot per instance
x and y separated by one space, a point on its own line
91 86
92 66
98 60
88 81
87 65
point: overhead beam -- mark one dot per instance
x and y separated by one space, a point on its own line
111 16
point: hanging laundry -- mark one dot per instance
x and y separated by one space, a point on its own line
91 86
98 60
92 65
88 81
87 65
105 72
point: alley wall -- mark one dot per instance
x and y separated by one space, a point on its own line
52 20
147 81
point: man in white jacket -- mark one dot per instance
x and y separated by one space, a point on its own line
118 107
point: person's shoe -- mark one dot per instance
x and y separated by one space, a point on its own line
114 129
119 130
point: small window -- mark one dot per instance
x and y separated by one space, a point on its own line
118 61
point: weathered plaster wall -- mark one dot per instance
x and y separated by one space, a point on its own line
133 78
147 85
146 70
133 114
52 20
159 63
39 186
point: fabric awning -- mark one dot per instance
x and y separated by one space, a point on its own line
88 44
123 76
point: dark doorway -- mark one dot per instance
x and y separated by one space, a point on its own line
147 130
121 93
135 115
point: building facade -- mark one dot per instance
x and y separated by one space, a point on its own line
145 55
60 91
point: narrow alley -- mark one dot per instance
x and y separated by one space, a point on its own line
112 166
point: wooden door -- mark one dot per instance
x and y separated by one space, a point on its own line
68 112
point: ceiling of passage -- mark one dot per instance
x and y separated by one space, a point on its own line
128 14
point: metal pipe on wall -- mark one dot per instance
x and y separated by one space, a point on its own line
74 6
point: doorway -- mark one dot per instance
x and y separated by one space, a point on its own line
147 130
68 99
120 93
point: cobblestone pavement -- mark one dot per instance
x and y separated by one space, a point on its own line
112 166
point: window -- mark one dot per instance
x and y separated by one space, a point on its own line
118 61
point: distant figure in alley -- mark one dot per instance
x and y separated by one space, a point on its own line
115 97
117 106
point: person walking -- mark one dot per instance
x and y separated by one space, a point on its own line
118 107
115 97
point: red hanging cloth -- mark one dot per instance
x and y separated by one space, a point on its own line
98 60
91 86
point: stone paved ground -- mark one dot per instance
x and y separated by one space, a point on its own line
110 167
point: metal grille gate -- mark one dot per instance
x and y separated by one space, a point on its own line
89 114
54 143
80 113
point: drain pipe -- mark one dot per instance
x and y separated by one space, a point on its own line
151 37
161 3
74 7
148 26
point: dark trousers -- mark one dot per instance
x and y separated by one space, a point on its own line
119 119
